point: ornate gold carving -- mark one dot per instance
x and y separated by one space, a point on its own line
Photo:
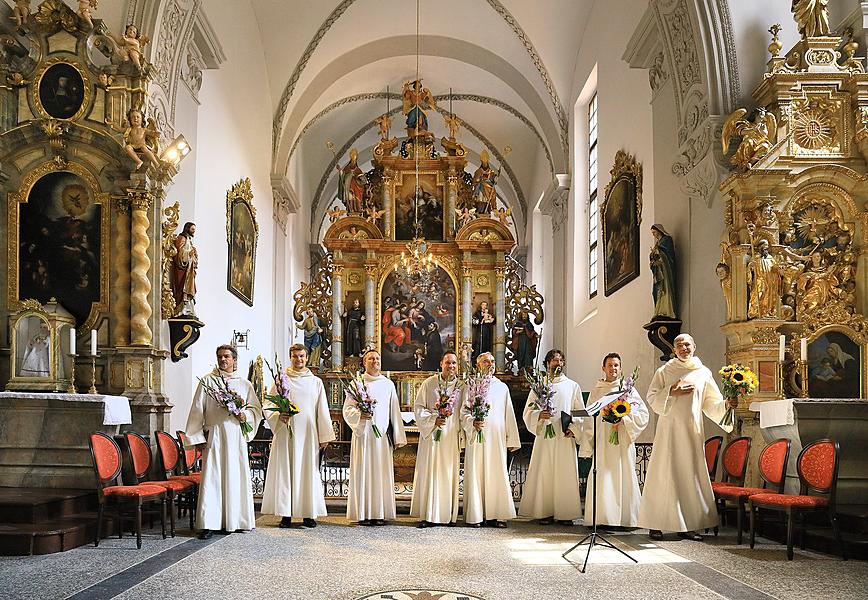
169 225
36 102
318 295
482 281
814 124
467 272
240 192
757 136
140 200
52 15
484 235
354 278
121 283
766 335
140 330
353 233
500 272
519 299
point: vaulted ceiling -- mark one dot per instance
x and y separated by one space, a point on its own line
508 63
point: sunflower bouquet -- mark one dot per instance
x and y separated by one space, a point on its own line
739 382
281 399
617 409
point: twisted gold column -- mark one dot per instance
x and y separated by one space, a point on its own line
121 283
140 331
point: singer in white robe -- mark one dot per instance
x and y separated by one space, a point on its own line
435 481
552 487
293 485
371 498
677 495
225 492
617 482
487 493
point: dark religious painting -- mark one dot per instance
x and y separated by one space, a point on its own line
59 244
426 207
242 250
834 367
61 91
417 320
620 228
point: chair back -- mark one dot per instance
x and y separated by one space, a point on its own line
170 456
773 464
106 455
712 454
190 456
140 454
818 468
735 457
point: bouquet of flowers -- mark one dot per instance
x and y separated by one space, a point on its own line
738 383
476 403
541 385
620 407
281 399
445 402
358 392
227 398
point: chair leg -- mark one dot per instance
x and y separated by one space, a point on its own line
834 519
139 525
120 520
170 502
739 520
191 507
752 510
99 515
163 519
802 527
790 524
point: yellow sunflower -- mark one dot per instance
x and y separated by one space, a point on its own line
621 408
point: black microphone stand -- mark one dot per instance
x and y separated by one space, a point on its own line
594 538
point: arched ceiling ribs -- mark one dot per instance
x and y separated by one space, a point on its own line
432 46
453 97
331 168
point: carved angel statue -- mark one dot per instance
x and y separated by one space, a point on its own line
384 124
453 124
85 8
129 46
812 17
21 12
140 138
757 136
465 215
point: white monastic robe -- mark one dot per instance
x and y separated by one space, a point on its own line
487 493
552 486
372 472
293 486
616 465
435 481
677 494
226 492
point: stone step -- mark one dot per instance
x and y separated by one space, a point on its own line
50 536
35 505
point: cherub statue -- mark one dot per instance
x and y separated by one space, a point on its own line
502 215
21 12
84 11
336 213
139 138
758 136
812 17
385 124
465 215
129 46
453 124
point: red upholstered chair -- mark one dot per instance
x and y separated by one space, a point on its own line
772 465
191 459
140 455
107 462
734 458
170 462
818 473
712 454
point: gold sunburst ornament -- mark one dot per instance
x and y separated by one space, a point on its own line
813 129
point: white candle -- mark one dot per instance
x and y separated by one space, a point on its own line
93 342
72 340
804 353
782 348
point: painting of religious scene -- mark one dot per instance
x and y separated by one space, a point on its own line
620 234
834 367
242 251
418 321
59 244
426 206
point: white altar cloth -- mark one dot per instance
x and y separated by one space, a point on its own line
116 408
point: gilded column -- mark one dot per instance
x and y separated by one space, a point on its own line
121 283
337 324
389 178
466 303
141 311
451 202
370 305
738 274
500 319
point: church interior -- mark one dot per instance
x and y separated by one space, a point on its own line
425 179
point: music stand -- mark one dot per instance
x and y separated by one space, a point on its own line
593 538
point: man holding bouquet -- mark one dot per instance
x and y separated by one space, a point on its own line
371 498
678 495
488 420
226 410
618 493
552 488
293 486
435 482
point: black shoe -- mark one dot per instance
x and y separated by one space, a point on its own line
475 525
424 525
547 521
205 534
311 523
365 522
566 522
690 535
378 522
655 534
285 523
500 524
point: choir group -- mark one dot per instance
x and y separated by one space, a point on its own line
677 492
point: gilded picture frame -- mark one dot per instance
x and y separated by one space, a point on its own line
242 236
62 90
620 217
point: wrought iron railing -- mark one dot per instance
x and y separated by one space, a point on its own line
335 469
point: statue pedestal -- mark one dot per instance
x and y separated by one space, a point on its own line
662 332
183 333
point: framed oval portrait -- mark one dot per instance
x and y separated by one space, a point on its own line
62 91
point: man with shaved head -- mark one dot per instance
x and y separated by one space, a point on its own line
678 495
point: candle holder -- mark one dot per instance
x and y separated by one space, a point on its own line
71 388
802 370
781 380
92 389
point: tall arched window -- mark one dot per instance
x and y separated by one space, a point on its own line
593 220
